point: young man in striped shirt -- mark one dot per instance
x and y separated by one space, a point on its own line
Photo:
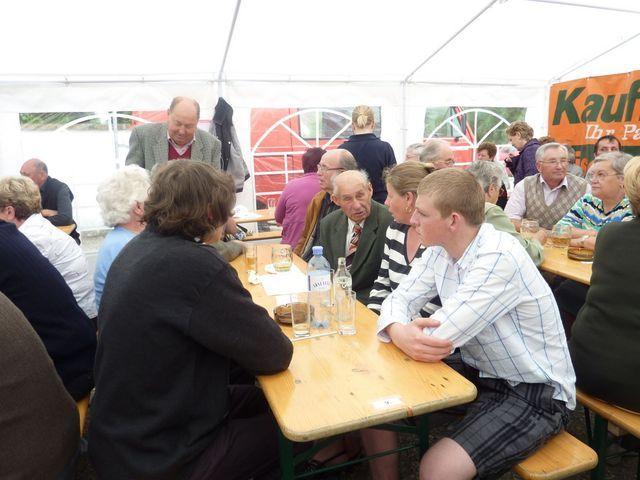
501 314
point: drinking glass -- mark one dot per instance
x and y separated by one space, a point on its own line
528 228
300 319
346 312
251 257
561 236
281 257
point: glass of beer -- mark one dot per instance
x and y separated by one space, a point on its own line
251 257
281 257
300 320
561 236
528 228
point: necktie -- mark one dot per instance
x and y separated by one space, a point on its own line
353 245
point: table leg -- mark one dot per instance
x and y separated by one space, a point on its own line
286 457
600 446
423 433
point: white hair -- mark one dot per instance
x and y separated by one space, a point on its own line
487 174
618 160
118 195
432 149
542 149
364 178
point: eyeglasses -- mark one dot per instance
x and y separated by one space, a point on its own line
564 163
323 168
600 176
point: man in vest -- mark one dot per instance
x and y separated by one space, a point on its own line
177 139
56 195
548 195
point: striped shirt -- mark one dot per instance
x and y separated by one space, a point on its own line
395 264
495 306
588 213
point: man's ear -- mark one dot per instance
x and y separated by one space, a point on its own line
335 199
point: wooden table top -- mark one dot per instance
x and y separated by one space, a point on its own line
264 215
337 384
67 228
556 262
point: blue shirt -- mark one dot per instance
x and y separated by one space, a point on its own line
115 241
588 213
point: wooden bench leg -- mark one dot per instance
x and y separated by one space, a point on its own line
600 446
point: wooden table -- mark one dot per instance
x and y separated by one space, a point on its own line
556 262
264 215
337 384
67 228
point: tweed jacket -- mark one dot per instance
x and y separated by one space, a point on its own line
148 146
368 256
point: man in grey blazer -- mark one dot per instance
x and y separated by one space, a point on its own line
178 138
359 228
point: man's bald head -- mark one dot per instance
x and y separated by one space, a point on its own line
182 122
438 152
36 170
332 163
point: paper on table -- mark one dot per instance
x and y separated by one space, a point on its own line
283 283
247 216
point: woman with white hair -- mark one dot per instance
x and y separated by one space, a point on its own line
605 203
121 199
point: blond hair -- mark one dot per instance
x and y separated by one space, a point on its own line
362 116
452 190
632 184
523 128
22 194
406 177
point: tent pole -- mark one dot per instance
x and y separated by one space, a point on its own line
582 64
226 49
449 40
404 116
578 4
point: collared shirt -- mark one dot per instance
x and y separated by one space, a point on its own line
181 149
350 225
588 213
115 241
66 256
517 207
495 306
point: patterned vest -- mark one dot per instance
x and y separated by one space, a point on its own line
549 215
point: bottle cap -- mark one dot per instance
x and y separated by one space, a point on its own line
317 250
342 260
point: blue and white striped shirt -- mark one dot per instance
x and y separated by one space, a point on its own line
495 306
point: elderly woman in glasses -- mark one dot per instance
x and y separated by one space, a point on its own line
606 203
604 345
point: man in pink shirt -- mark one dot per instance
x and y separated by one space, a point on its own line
292 205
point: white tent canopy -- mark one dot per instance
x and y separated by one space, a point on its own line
403 56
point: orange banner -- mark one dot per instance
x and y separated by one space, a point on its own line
581 111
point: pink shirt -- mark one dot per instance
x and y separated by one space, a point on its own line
292 206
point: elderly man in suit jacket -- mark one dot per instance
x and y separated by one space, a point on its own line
356 231
179 138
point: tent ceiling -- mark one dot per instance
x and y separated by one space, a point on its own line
528 42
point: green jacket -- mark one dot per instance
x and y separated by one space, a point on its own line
368 256
494 215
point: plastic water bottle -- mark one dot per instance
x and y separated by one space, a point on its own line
319 278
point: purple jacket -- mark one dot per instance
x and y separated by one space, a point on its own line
292 206
524 164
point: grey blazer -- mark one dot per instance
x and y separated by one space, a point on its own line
148 146
368 256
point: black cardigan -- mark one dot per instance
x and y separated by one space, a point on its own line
605 335
40 292
173 317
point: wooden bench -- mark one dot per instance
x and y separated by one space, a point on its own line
83 408
605 413
270 235
561 457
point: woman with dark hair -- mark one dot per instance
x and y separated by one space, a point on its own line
296 196
173 318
